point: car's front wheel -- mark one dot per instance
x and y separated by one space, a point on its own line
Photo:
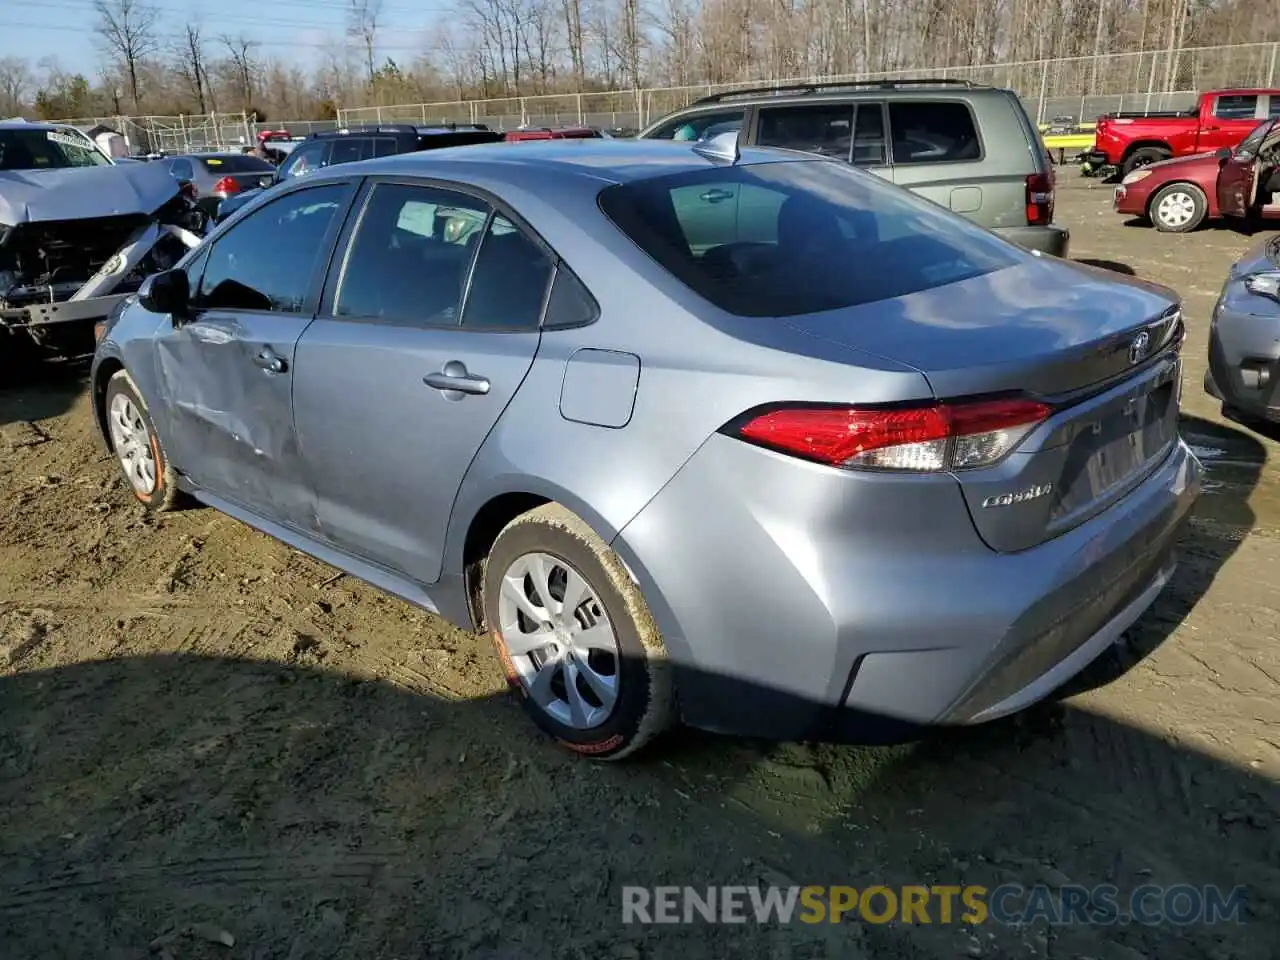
574 635
1178 208
136 445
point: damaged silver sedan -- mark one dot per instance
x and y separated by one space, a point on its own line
78 234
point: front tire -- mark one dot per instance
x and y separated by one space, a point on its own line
575 636
136 445
1178 208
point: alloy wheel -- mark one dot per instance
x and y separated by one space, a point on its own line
131 441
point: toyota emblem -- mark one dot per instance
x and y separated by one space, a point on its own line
1138 349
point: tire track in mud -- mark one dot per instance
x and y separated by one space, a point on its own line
242 870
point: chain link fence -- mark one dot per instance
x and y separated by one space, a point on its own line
1079 87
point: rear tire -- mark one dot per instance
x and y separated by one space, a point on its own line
575 637
136 445
1178 208
1143 157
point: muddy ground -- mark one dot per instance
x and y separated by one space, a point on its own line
206 736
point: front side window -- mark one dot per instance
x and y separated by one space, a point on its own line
1235 107
268 260
303 160
701 126
410 256
933 132
805 236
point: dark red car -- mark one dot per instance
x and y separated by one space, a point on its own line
547 133
1179 195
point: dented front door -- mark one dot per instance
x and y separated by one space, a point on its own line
226 366
228 376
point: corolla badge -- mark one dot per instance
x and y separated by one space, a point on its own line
1140 347
1022 496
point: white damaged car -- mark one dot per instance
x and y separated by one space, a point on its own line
78 234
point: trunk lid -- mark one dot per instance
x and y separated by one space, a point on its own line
1100 348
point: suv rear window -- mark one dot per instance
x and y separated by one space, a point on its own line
783 239
936 132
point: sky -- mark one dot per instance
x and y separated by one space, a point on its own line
291 29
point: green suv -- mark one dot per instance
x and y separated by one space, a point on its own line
967 147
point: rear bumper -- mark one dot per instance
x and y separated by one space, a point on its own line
1052 239
1244 353
853 608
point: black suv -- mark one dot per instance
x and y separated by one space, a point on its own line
360 143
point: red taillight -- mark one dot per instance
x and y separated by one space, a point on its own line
1040 199
922 439
226 186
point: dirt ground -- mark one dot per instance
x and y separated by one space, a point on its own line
206 736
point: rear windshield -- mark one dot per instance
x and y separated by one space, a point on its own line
47 150
236 163
783 239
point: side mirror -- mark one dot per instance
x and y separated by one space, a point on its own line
1223 154
168 292
266 181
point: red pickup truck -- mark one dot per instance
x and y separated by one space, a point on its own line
1223 118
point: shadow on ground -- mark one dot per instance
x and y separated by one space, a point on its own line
38 390
1115 266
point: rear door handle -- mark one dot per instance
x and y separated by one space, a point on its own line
454 377
270 361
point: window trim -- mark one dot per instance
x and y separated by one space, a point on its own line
849 105
341 252
973 119
311 299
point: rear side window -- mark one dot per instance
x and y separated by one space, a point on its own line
1274 110
825 129
1235 107
182 169
937 132
509 281
384 147
350 149
782 239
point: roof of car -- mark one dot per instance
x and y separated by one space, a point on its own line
19 124
616 161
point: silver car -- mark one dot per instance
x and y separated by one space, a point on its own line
755 441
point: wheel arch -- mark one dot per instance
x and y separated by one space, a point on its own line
1137 145
105 369
476 528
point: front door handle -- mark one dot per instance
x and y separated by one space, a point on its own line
269 361
455 378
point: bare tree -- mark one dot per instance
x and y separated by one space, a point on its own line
240 51
363 17
190 65
15 82
128 30
573 38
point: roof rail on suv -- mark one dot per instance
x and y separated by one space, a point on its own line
831 85
405 128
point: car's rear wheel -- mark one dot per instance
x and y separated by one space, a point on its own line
136 445
1178 208
1142 158
574 635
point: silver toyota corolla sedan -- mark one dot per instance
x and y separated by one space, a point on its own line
750 440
